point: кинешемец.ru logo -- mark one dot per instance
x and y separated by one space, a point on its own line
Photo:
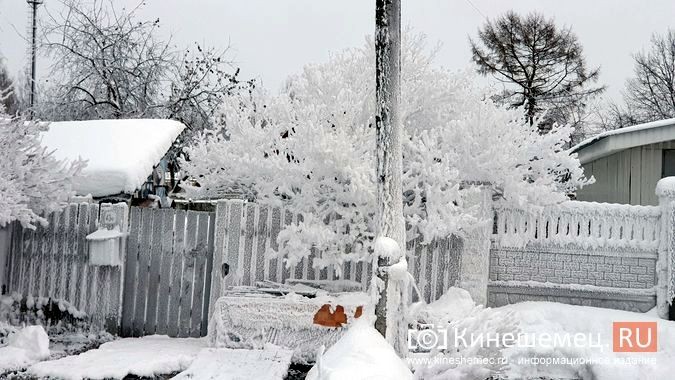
634 336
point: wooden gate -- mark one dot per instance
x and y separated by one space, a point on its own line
167 273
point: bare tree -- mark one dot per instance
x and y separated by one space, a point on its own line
650 94
542 66
109 64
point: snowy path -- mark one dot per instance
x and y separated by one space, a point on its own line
225 364
147 356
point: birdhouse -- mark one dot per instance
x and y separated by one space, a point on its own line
105 242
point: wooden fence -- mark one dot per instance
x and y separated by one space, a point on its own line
52 261
245 231
174 258
167 272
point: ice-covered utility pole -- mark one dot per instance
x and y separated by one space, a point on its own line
34 5
389 216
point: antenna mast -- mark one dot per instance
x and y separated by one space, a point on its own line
33 49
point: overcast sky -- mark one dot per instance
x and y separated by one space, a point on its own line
274 38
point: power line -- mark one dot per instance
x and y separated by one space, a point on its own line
476 8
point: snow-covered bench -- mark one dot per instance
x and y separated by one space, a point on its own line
295 317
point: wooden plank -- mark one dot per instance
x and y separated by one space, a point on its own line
267 242
612 177
153 274
114 279
176 273
130 273
81 258
187 280
60 262
71 272
221 221
37 269
275 227
256 255
93 270
24 264
142 277
200 253
209 273
167 216
249 234
234 243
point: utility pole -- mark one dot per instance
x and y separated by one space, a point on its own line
33 49
390 222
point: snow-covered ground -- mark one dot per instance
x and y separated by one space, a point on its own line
545 352
362 353
601 363
147 356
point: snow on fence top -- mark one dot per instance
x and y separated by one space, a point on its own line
121 153
586 224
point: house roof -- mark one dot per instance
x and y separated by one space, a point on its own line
121 154
610 142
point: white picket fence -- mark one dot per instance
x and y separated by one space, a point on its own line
586 224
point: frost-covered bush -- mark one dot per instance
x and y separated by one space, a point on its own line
311 149
32 182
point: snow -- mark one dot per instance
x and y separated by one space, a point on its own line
26 346
614 132
105 234
270 363
556 318
536 319
147 356
120 154
665 187
362 353
387 247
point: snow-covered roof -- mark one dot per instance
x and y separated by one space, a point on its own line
606 143
120 153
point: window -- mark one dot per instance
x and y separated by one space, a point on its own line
668 167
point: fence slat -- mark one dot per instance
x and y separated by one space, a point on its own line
176 273
143 263
220 220
130 272
209 271
153 275
71 272
187 279
82 254
165 271
200 252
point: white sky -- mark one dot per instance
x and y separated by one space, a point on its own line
274 38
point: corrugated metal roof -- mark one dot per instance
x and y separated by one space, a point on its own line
610 142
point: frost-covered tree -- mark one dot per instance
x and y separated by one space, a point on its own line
32 182
8 95
541 65
312 149
109 63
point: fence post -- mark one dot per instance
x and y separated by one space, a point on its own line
665 281
475 257
5 244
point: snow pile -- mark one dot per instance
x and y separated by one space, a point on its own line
26 346
120 154
540 329
454 317
144 357
556 318
362 353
